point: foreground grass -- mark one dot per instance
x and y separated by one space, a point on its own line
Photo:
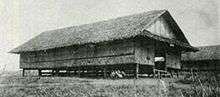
202 84
79 90
16 86
189 85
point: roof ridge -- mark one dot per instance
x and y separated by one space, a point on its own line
107 30
152 21
101 21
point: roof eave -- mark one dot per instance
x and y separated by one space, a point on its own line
187 46
12 52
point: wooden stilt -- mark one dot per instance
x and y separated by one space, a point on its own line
56 72
154 75
171 72
177 73
83 71
136 71
158 74
39 72
53 72
75 71
23 72
68 72
105 71
79 71
97 72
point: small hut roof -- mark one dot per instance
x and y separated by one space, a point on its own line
114 29
204 53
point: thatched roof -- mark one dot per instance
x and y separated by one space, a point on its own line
114 29
204 53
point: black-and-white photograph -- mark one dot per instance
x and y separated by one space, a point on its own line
109 48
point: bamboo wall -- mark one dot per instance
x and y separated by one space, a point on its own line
144 51
138 50
117 52
173 60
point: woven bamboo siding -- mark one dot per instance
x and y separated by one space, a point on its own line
79 52
161 27
173 60
80 62
144 52
91 54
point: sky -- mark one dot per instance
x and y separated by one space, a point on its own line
22 20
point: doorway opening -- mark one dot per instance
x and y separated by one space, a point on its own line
160 60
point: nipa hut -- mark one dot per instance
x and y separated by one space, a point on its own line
129 44
206 59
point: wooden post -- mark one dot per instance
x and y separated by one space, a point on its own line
79 71
104 71
68 72
177 73
154 75
83 71
57 72
159 76
53 72
39 72
75 71
171 72
136 71
23 72
96 71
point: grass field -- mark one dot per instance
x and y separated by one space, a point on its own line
13 85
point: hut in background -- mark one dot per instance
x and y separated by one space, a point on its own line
129 44
206 59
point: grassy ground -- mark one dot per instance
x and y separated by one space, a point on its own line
13 85
202 84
